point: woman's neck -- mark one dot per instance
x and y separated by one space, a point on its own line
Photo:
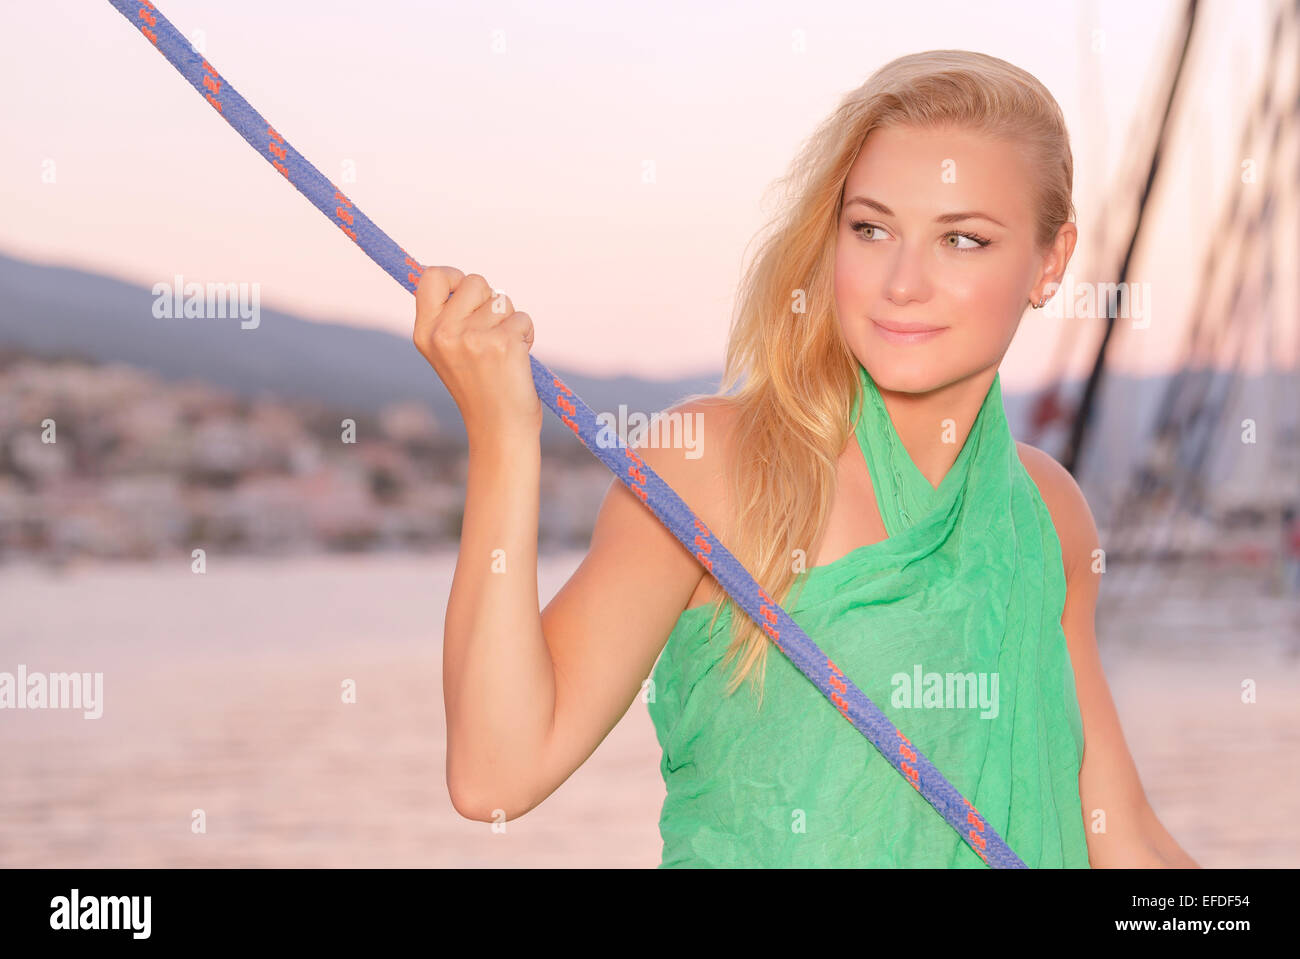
933 426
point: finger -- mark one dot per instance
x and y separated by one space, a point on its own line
519 326
436 302
455 277
469 294
436 284
494 310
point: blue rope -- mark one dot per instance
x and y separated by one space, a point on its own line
622 461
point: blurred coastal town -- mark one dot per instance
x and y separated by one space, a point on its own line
108 461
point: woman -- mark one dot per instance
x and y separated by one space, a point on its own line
865 474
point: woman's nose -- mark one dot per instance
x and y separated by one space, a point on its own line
906 279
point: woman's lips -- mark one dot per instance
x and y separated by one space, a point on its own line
894 335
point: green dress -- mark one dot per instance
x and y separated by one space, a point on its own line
951 625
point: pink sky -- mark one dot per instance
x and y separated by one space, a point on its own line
510 140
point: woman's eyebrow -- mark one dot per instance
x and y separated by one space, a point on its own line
973 215
941 218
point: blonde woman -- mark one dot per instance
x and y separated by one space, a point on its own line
857 461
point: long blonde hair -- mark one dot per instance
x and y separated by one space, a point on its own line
791 412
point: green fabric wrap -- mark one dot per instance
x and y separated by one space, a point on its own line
951 625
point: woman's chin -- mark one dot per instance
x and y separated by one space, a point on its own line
904 377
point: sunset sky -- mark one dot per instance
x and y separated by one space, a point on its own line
511 139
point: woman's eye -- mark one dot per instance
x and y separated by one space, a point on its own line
859 229
972 243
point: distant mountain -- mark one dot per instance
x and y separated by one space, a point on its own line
52 310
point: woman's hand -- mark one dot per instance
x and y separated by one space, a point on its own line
478 345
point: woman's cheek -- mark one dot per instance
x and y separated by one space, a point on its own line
982 297
856 285
967 287
848 291
843 274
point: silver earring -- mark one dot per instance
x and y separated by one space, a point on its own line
1040 304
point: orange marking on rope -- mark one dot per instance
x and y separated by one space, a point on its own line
339 196
409 262
708 563
148 17
699 524
839 684
210 68
559 385
351 233
278 150
641 494
565 405
769 615
771 632
153 37
979 841
974 820
214 101
212 84
911 773
413 278
841 704
703 544
281 167
636 474
343 215
902 737
274 135
631 454
570 424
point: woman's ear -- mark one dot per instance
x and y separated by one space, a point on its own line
1056 259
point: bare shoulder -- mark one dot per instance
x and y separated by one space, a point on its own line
1075 526
697 471
687 447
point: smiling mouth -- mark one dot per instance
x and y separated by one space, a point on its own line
906 334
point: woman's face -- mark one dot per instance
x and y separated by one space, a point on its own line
936 232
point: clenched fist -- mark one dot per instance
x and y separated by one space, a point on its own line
478 344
